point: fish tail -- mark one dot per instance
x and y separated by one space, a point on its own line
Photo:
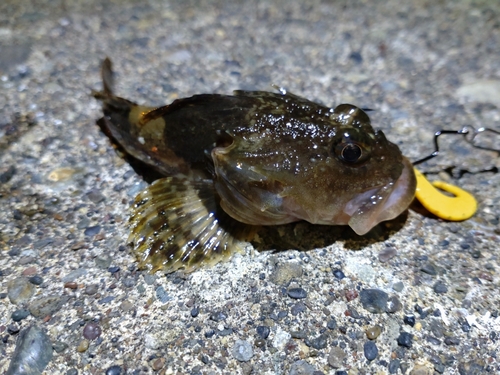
112 104
124 123
177 223
108 77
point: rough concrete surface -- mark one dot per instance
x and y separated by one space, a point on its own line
423 290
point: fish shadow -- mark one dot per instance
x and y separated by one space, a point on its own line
304 236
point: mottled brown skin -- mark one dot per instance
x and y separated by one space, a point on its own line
267 158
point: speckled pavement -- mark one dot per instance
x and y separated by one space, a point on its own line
416 296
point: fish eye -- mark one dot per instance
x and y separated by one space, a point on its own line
350 152
352 147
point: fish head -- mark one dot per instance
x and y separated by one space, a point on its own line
333 169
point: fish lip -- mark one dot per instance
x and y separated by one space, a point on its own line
394 201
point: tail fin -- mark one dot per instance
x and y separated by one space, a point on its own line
108 81
108 77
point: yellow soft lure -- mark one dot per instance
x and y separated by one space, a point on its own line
461 206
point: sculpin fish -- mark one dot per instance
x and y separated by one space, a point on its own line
233 162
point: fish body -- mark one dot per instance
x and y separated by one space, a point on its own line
252 158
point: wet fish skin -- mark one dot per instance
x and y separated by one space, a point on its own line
255 158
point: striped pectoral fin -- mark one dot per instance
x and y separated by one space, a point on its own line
176 223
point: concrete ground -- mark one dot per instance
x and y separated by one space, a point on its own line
418 295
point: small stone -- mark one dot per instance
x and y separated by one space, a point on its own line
394 366
301 367
73 275
393 305
433 340
27 259
162 295
339 275
421 370
103 261
473 367
61 174
30 271
13 329
319 342
429 268
297 293
91 331
409 319
356 57
353 313
71 285
332 324
398 286
387 254
128 282
113 269
298 308
20 290
208 334
82 346
19 315
126 305
158 363
60 346
32 354
280 339
95 196
452 341
92 231
350 295
226 332
105 300
7 175
91 289
370 350
114 370
218 316
259 343
283 313
195 311
263 331
374 300
45 306
437 328
242 351
285 272
440 287
465 326
405 339
301 335
36 280
439 367
336 357
373 332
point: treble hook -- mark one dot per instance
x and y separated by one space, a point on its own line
468 132
461 205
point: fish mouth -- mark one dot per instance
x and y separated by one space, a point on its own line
382 203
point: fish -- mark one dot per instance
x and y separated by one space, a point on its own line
232 163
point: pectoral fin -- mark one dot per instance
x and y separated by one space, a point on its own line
177 223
